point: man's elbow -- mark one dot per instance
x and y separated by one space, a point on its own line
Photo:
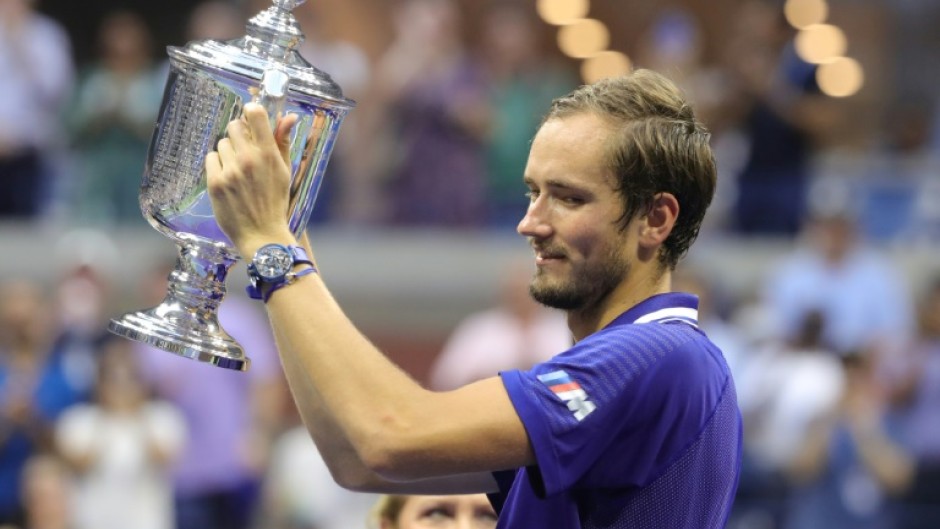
395 456
359 480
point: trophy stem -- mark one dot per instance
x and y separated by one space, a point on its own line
186 322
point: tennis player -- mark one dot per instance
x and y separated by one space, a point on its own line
635 426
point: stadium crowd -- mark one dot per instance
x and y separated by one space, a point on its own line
836 353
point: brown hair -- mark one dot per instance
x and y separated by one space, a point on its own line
387 509
658 147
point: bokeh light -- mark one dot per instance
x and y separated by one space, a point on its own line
562 12
821 43
583 38
804 13
842 77
603 65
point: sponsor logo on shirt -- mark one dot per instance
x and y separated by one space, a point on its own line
569 391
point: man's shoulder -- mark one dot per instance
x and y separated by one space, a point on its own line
645 337
678 350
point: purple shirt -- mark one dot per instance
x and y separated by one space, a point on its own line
637 425
215 401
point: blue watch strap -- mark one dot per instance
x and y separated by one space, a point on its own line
300 255
293 278
259 292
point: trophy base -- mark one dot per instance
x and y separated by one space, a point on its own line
212 345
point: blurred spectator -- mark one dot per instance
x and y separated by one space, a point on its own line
779 106
209 20
896 207
112 117
919 407
33 388
215 19
434 93
231 417
471 511
48 494
121 447
783 388
299 491
522 83
36 61
850 462
863 299
516 334
80 305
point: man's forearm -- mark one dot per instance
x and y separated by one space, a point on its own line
340 456
342 382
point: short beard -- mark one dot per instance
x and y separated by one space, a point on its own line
585 290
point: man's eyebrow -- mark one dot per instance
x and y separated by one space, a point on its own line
554 183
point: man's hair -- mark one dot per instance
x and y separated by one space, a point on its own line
658 147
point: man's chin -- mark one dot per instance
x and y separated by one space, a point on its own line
555 297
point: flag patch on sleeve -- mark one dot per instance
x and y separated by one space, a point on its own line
570 392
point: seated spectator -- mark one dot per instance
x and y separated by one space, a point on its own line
851 465
121 446
861 295
33 388
414 512
516 334
36 61
111 120
918 395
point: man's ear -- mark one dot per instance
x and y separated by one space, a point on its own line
659 221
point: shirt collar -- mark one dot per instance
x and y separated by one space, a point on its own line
662 308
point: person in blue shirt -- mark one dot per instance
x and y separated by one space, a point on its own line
636 425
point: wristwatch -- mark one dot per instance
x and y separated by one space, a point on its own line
272 267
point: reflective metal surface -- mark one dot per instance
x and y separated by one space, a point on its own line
208 85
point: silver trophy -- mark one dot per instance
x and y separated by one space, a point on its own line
209 83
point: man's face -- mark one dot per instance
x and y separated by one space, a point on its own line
581 254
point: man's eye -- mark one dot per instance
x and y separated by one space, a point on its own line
531 195
437 513
572 200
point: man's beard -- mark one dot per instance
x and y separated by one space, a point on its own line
586 288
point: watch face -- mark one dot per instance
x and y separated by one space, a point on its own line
273 261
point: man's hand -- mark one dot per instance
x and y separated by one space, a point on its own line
249 180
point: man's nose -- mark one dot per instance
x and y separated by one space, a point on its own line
535 222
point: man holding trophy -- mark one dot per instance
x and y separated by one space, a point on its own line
636 425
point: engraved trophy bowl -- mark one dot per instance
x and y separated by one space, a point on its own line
209 83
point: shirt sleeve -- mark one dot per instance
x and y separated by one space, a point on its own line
618 408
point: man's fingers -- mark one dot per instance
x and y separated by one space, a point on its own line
226 152
213 165
239 133
257 118
284 126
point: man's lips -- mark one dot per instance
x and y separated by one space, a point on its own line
547 256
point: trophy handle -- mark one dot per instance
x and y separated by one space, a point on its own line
273 92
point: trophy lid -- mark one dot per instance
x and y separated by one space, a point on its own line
270 42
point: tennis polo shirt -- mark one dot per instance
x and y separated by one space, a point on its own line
636 426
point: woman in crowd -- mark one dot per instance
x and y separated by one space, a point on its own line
468 511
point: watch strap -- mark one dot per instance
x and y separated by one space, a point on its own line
290 279
257 290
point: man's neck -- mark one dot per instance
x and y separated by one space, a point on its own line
634 289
